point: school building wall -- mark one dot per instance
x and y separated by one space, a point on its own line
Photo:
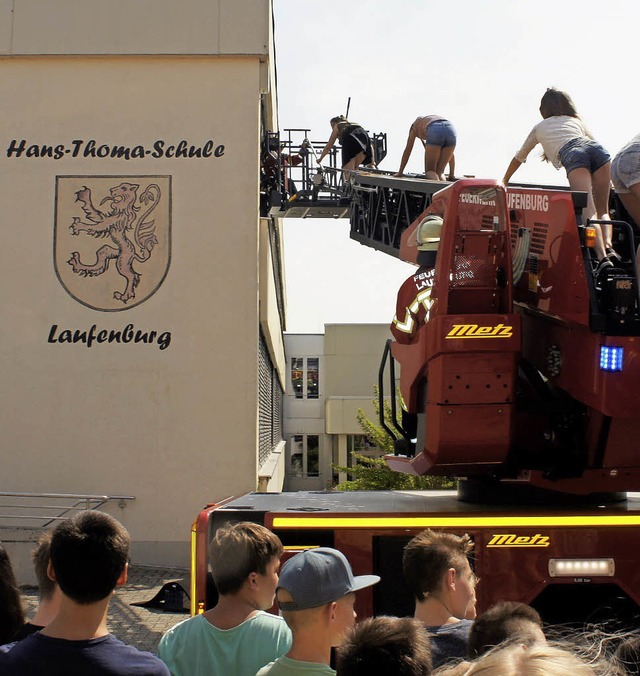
171 417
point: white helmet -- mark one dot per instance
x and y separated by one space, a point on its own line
428 233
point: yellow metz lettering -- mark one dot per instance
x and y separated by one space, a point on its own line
475 331
513 540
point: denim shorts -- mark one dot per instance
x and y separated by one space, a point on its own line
441 133
625 168
583 153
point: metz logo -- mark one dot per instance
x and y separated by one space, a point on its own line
513 540
475 331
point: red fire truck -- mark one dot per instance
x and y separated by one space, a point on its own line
522 384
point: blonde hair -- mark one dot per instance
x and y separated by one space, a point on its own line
237 550
518 660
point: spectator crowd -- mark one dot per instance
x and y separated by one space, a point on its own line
80 564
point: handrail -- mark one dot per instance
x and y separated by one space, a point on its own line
386 354
80 502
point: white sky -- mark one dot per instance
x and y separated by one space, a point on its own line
483 64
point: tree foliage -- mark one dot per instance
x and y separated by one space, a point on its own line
373 474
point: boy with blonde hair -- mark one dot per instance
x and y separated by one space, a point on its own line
316 595
237 636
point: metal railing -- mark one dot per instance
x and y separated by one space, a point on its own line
294 185
40 510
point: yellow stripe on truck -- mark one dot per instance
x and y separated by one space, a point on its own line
347 522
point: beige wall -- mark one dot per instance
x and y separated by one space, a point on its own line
212 27
269 314
176 427
341 414
352 357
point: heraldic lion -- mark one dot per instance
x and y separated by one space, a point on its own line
133 236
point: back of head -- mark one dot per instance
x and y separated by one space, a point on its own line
429 556
428 235
11 613
41 556
627 655
538 660
507 621
555 102
379 646
238 550
337 119
89 553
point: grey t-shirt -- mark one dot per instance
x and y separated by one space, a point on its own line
449 642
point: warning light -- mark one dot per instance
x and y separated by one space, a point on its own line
611 358
589 567
590 236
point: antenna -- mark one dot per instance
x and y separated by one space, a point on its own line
348 106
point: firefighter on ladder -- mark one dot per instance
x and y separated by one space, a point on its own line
414 296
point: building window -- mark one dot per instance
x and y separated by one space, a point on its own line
312 377
305 455
362 445
270 403
305 377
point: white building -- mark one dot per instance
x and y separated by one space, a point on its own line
329 377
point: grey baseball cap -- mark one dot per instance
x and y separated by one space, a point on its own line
318 576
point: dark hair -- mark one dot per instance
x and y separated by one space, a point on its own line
505 621
238 550
40 557
427 558
11 613
627 655
338 118
89 552
556 102
379 646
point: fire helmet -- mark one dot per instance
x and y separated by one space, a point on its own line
428 233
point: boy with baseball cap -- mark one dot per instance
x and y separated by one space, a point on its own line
316 594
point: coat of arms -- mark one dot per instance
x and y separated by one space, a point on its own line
112 238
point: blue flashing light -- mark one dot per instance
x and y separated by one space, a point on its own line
611 358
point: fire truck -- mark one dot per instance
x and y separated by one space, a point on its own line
522 384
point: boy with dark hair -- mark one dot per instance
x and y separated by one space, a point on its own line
627 655
48 589
437 571
88 559
316 595
506 621
379 646
237 636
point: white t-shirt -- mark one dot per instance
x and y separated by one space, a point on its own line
552 134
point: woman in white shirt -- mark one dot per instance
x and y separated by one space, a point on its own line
567 143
